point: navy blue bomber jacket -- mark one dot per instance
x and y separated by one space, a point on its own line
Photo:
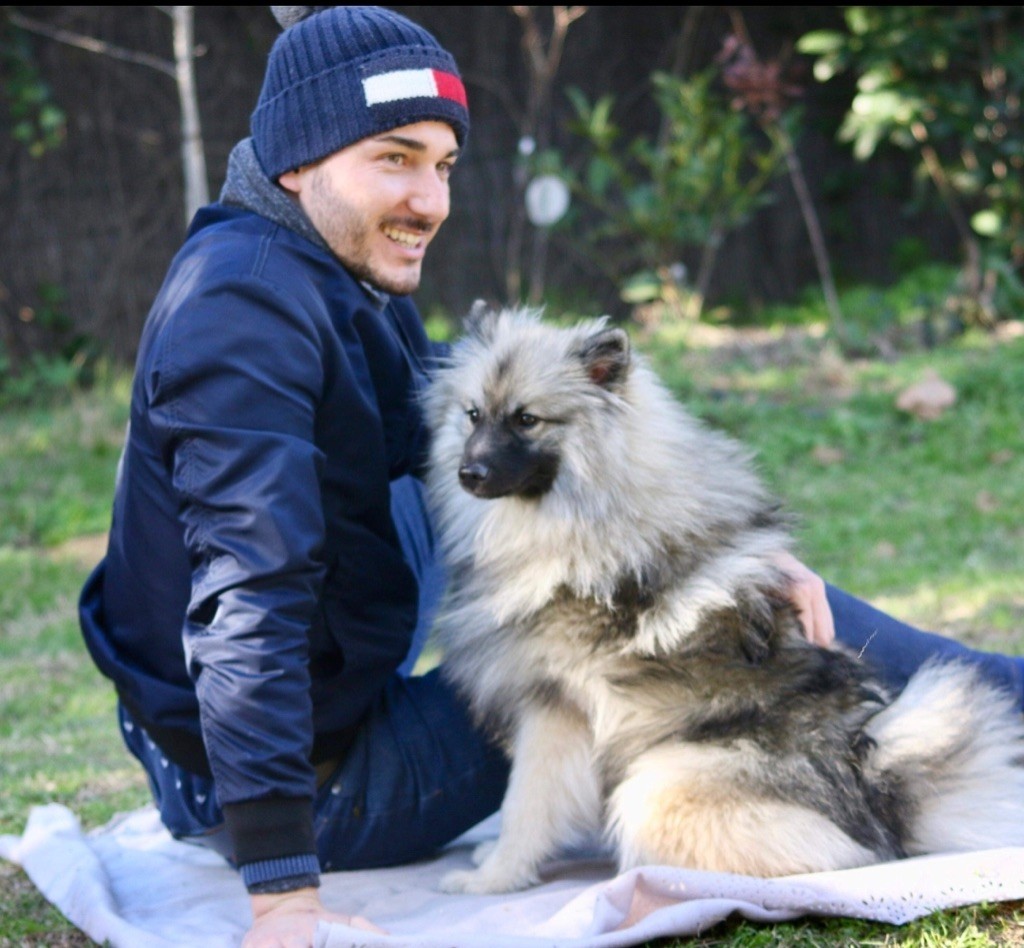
254 597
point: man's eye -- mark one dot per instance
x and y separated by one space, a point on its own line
473 414
525 420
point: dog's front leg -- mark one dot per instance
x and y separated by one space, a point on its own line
552 794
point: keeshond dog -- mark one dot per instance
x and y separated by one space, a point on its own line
617 618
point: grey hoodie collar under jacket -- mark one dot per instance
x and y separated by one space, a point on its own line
247 186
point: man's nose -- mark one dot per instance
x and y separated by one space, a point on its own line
429 197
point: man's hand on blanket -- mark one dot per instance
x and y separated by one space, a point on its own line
807 593
289 920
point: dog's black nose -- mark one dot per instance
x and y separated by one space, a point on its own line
472 476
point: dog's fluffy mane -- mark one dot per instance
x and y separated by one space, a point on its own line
608 516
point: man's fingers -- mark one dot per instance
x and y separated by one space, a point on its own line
823 630
353 921
827 624
807 593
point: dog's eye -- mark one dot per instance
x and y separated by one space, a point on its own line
525 420
473 414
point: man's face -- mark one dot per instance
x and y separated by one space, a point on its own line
379 202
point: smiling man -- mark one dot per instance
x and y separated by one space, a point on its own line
378 203
268 582
269 579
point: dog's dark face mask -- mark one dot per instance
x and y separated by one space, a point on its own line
507 453
501 460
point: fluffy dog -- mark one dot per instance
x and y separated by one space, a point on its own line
616 617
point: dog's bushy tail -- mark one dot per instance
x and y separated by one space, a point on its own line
952 747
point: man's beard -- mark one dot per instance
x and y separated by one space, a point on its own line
348 235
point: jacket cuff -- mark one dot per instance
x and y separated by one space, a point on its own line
270 833
281 875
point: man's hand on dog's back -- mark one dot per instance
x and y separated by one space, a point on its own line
807 593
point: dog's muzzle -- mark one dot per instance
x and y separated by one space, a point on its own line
474 476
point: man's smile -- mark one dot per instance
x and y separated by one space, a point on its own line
403 237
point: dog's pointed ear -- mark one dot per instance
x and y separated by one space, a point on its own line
481 320
606 358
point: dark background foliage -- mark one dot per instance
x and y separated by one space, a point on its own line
91 222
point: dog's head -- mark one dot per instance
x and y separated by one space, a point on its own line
504 408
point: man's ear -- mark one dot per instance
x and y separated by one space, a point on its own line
292 181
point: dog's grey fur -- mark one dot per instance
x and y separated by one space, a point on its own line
616 616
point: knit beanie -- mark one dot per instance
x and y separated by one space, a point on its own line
340 74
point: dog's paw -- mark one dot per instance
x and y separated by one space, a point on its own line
483 850
482 882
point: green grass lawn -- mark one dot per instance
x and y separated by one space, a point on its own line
924 518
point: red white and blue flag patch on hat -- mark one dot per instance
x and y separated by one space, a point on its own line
413 84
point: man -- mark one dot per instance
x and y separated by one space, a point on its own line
267 553
269 576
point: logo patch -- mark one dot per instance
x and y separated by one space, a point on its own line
413 84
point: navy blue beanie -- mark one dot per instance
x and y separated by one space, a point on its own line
344 73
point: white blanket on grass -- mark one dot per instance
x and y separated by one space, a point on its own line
130 884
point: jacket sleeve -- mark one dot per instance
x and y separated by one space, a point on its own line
233 388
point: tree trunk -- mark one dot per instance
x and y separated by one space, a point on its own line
193 159
815 234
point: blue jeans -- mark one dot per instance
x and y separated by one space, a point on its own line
896 650
419 774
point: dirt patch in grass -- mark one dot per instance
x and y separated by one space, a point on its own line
84 551
726 345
